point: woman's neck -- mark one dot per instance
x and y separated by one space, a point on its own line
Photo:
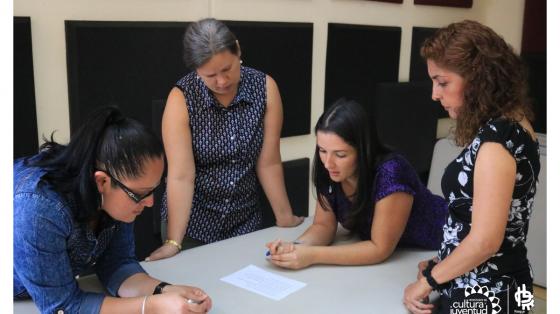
225 100
349 187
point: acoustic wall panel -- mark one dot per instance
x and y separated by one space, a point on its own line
296 176
127 64
130 64
446 3
406 119
392 1
26 140
283 51
418 68
533 52
358 57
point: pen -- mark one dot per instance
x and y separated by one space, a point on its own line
294 242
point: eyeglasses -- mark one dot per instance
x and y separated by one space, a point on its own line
137 198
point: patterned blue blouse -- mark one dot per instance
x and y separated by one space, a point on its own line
226 144
396 174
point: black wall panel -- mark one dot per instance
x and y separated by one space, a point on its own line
418 68
130 64
296 176
533 52
358 57
406 119
127 64
536 67
25 116
284 51
446 3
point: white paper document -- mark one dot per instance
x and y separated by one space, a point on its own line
263 282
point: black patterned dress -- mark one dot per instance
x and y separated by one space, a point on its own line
508 268
226 144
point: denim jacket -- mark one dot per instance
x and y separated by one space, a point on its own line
51 248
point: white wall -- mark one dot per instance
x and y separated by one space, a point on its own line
49 50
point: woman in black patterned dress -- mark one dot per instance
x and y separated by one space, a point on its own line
221 131
490 186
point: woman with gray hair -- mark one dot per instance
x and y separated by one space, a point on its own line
221 131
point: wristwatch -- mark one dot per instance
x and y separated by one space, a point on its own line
159 288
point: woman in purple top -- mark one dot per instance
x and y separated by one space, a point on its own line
369 190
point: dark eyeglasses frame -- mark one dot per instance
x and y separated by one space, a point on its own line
137 198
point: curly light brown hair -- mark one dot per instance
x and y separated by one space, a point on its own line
495 77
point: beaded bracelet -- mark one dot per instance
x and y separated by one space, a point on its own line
428 274
174 243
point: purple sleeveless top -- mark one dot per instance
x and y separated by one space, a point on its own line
395 174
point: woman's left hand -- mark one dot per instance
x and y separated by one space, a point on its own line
292 256
414 294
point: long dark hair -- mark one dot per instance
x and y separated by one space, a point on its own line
106 140
349 120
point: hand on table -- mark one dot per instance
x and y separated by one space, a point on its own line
414 293
164 251
174 299
289 254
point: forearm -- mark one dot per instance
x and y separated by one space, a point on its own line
317 235
138 285
469 254
123 305
271 178
360 253
132 292
179 202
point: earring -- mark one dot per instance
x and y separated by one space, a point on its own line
330 189
240 61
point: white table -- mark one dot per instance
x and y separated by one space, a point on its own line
329 289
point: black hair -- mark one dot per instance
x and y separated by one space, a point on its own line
348 120
107 140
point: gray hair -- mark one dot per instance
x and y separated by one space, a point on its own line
205 38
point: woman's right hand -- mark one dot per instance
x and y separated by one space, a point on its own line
176 303
280 247
164 251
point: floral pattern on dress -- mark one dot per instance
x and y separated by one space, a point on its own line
457 185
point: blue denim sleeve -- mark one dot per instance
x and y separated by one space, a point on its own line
41 261
118 262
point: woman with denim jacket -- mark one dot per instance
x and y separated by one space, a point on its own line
74 208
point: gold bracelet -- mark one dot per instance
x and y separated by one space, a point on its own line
174 243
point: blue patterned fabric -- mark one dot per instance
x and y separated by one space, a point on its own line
226 144
395 174
51 248
509 267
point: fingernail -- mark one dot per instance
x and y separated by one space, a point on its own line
267 253
147 259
